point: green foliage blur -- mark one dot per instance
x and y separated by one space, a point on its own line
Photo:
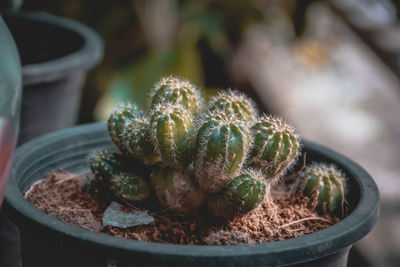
145 40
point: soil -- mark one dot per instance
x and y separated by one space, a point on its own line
285 215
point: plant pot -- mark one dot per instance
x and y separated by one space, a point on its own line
55 53
47 241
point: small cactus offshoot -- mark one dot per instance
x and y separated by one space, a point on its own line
105 165
247 190
226 158
130 187
113 171
276 147
176 91
235 104
325 182
221 149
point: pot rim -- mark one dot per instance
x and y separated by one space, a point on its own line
324 242
86 57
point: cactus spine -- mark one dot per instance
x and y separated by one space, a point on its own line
276 146
173 134
221 149
328 183
176 189
235 104
176 91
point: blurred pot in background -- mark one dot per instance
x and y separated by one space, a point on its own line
55 54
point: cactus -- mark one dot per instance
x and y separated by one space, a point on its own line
113 171
130 187
136 138
247 190
176 189
228 238
221 149
176 91
276 147
243 194
328 183
173 134
236 104
105 165
198 158
117 122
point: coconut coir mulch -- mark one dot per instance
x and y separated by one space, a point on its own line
62 195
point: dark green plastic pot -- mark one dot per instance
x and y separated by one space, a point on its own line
56 53
47 241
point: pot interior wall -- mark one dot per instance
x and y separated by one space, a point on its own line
38 41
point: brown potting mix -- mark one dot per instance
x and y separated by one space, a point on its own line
62 195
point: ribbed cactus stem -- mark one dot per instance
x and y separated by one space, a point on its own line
276 147
248 190
113 171
130 187
176 91
137 139
176 190
105 165
236 104
117 122
173 134
220 151
325 182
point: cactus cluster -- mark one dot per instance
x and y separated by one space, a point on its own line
224 157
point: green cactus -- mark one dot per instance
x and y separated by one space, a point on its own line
328 183
176 91
236 104
176 190
173 134
117 122
228 238
243 194
136 138
105 165
130 187
220 151
276 147
113 171
247 190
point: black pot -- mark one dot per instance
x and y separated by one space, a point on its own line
47 241
55 54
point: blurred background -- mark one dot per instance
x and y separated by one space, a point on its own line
330 67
